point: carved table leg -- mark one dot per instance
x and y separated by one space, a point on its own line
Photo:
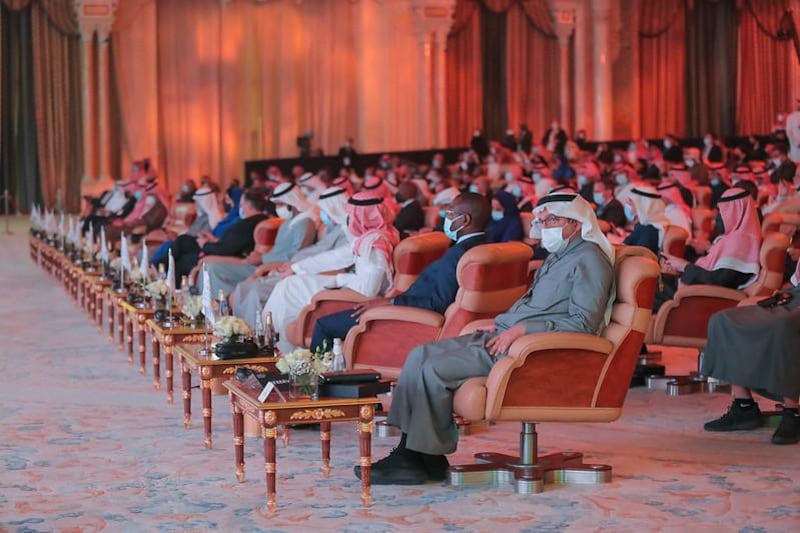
168 372
99 311
129 327
238 441
270 467
142 350
121 320
187 395
111 330
325 438
156 362
365 441
205 385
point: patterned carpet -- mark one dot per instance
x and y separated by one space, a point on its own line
88 445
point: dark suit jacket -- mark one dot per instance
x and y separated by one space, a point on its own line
613 212
410 218
436 288
784 172
237 240
644 235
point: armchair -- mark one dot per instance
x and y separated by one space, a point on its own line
683 321
410 258
703 222
675 240
181 216
560 377
491 277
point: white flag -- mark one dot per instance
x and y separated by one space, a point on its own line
61 228
208 307
170 280
124 256
90 241
144 266
103 245
35 215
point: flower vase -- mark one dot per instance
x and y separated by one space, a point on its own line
160 307
305 386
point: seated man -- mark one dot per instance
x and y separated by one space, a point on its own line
610 211
411 218
571 292
755 347
297 230
645 208
437 286
236 241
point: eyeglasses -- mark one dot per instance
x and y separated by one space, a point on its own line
550 222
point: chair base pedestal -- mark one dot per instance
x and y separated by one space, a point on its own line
529 474
683 385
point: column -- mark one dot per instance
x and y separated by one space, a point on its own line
603 113
441 89
87 104
564 15
424 60
583 28
104 103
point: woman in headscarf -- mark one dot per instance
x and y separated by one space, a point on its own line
506 224
733 260
298 230
645 209
332 252
370 269
678 213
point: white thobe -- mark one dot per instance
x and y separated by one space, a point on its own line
678 217
793 133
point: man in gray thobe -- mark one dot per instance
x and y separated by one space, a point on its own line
298 230
571 292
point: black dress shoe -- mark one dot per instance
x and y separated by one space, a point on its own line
401 467
737 419
436 466
788 431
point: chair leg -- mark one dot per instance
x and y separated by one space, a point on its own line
529 472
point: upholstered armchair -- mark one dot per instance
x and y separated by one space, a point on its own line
181 216
703 222
432 217
702 196
560 377
683 321
786 223
491 277
675 239
410 258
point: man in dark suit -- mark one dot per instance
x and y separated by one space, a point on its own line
437 286
411 216
610 212
347 155
236 241
673 153
525 139
781 167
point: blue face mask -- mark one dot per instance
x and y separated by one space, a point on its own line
473 188
442 213
451 233
241 212
629 212
138 195
497 215
325 218
516 190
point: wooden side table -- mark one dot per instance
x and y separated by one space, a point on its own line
135 318
116 315
168 338
323 411
99 292
193 357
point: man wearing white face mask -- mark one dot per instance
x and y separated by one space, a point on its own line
297 231
571 292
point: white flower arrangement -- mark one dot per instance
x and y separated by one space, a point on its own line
157 289
192 307
230 326
114 264
303 362
139 277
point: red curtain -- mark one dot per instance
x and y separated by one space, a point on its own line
464 87
662 67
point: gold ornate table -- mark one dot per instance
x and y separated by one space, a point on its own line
167 338
192 357
323 411
138 316
116 315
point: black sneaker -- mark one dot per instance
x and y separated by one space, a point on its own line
436 466
788 431
736 419
401 467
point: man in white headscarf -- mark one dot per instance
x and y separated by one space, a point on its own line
297 231
571 292
311 186
209 211
646 209
331 252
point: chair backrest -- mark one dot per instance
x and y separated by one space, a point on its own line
265 233
636 273
702 196
415 253
432 216
773 262
491 277
703 222
527 222
675 241
183 214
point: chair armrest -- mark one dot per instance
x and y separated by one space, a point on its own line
340 295
708 291
227 259
403 313
475 325
555 349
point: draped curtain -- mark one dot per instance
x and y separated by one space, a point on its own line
766 65
55 84
662 67
502 67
